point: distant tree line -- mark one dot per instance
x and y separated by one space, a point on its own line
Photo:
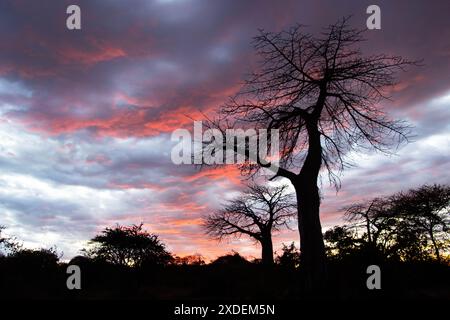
127 247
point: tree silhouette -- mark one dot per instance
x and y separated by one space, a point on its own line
232 259
36 259
426 211
377 229
376 220
128 246
323 96
403 226
341 242
257 213
290 256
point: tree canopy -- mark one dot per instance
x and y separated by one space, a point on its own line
128 246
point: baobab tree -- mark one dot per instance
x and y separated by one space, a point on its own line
323 95
259 212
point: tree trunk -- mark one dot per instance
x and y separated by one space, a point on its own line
369 233
267 250
312 248
435 246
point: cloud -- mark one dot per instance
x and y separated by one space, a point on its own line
115 180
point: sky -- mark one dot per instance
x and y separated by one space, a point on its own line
86 115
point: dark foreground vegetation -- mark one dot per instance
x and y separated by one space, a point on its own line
38 276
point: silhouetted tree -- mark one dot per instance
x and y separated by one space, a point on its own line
323 95
377 222
341 242
290 256
231 259
407 242
376 228
404 225
257 213
36 259
128 246
425 213
80 260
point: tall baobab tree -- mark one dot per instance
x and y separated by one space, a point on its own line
323 95
257 213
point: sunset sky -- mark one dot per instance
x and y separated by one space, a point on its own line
86 115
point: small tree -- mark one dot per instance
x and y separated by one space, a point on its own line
128 246
375 219
340 242
36 259
232 259
257 213
290 257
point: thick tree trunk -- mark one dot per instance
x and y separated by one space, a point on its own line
312 248
267 251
